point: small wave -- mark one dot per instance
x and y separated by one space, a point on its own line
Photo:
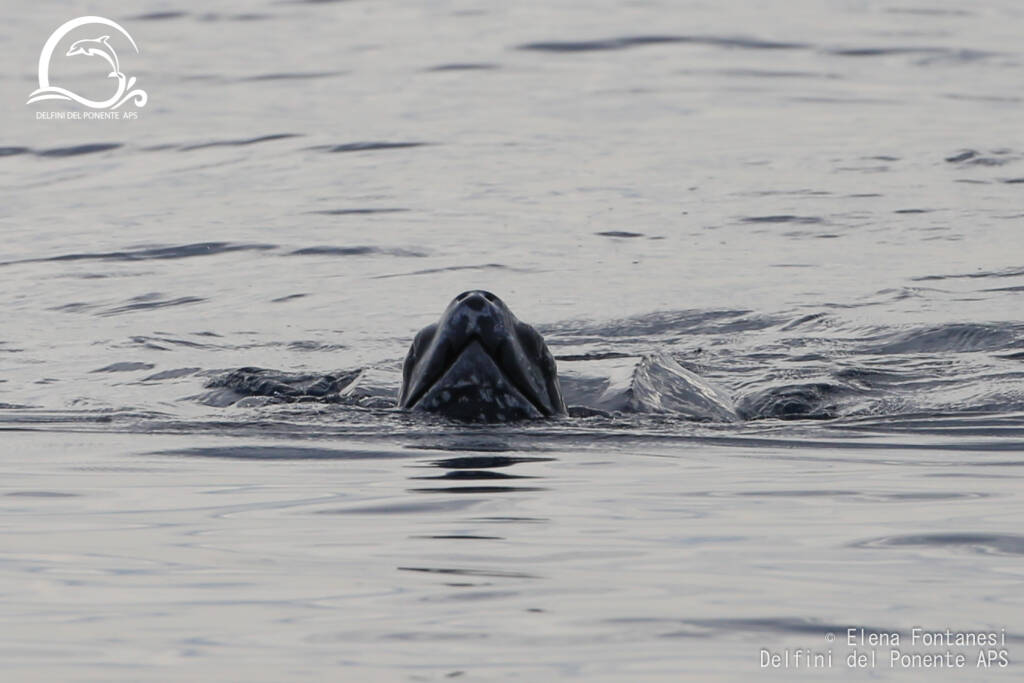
367 146
245 16
492 573
972 157
239 143
930 53
162 343
151 253
653 325
597 355
461 537
159 16
956 338
783 218
818 319
619 233
77 150
125 366
810 401
355 212
288 297
176 373
626 42
428 271
148 302
280 453
74 307
872 377
1018 288
812 235
355 251
308 345
982 543
1006 272
464 67
901 294
999 421
292 76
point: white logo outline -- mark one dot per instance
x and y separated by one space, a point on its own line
93 47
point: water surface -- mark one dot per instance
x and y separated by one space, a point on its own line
815 207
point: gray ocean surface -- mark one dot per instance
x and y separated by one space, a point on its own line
819 201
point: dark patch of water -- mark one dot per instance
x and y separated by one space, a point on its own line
626 42
367 146
239 143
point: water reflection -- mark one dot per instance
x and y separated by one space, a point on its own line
478 467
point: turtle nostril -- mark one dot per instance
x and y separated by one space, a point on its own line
475 302
490 297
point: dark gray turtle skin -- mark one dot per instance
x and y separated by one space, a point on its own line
479 363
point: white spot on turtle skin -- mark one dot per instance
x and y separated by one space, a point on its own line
446 396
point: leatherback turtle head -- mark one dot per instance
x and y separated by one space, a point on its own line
479 363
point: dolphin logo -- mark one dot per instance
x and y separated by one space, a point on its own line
97 47
90 47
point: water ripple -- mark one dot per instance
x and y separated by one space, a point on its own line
367 146
240 142
626 42
152 253
981 543
263 452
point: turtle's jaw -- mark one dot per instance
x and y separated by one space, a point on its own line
481 364
473 386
